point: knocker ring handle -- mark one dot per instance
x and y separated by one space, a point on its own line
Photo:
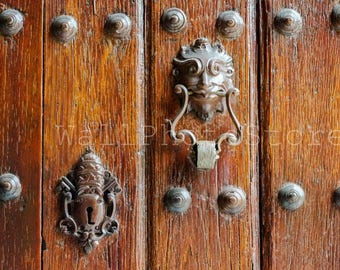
203 73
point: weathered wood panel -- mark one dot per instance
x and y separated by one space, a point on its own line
300 130
200 238
20 137
93 97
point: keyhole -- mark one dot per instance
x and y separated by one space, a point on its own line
89 211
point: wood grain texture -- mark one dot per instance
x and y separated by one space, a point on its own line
20 138
200 238
93 97
300 105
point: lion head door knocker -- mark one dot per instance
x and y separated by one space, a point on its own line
89 201
203 74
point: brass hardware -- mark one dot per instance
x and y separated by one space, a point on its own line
117 25
11 22
10 187
230 24
232 200
64 28
177 200
336 196
335 18
89 202
291 196
203 75
173 20
288 22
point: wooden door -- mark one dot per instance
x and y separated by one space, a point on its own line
299 96
113 95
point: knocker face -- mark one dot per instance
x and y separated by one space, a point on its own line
206 71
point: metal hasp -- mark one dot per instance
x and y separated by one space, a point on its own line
203 75
291 196
89 201
10 187
11 22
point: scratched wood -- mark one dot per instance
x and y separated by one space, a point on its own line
201 238
93 97
20 137
300 127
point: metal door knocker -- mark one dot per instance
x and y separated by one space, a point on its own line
203 74
89 201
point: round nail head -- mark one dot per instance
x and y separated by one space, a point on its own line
232 200
173 20
10 187
288 22
291 196
335 18
177 200
117 25
337 196
11 22
64 28
230 24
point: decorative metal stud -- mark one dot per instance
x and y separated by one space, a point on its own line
177 200
291 196
10 187
288 22
89 202
336 196
11 22
117 25
232 200
335 18
64 28
173 20
230 24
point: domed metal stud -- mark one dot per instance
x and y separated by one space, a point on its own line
10 187
117 25
335 18
232 200
11 22
230 24
336 196
288 22
291 196
177 200
173 20
64 28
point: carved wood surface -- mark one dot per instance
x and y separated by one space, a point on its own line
20 138
201 238
93 97
300 130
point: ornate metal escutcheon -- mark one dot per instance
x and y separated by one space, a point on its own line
89 201
203 74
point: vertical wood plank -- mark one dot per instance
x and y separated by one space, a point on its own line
20 138
300 128
200 238
94 97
